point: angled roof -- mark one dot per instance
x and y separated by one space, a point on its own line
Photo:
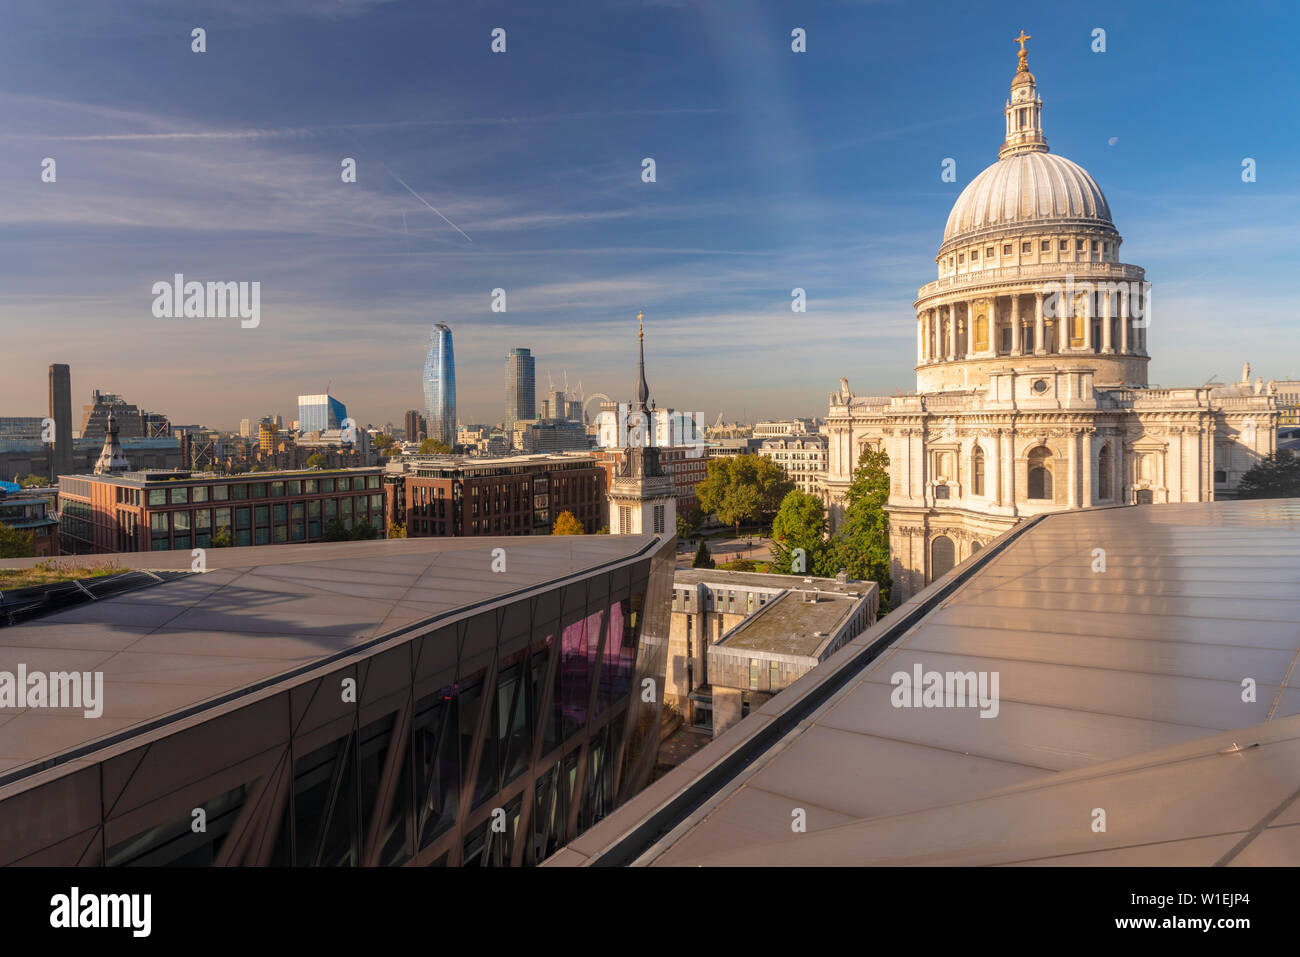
264 612
1123 688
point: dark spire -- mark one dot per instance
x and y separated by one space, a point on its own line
642 390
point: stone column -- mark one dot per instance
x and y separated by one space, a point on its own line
1106 346
997 466
1087 323
970 329
1039 338
1086 471
1175 483
1123 321
1072 470
952 331
920 338
1015 325
995 340
1195 479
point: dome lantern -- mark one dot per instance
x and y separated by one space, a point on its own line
1024 110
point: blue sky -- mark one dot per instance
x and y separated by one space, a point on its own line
774 170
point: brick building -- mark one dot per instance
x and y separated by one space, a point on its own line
450 495
158 511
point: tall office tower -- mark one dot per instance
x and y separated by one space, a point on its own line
319 412
440 386
61 412
416 427
245 426
521 388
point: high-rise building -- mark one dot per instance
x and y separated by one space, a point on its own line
440 386
317 413
416 426
521 387
61 413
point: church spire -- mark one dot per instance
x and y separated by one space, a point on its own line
1024 110
111 460
642 390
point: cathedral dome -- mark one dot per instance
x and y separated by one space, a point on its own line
1031 188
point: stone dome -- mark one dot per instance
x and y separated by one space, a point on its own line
1030 188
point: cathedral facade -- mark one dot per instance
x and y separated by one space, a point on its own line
1031 374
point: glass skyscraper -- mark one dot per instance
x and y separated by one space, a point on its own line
440 386
521 388
319 412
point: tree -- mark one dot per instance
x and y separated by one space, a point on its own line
683 527
742 488
316 461
15 543
396 531
434 447
382 441
603 530
1277 476
801 523
567 524
702 557
222 538
32 480
862 545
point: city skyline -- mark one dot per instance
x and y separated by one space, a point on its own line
775 170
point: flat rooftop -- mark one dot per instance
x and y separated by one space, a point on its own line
258 613
144 477
790 625
728 579
1161 686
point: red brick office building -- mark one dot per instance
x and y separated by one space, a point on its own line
517 495
163 510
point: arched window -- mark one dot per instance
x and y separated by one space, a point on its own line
975 547
977 471
1040 473
1105 472
943 556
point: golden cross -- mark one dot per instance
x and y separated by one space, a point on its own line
1021 40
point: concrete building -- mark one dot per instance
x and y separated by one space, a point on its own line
737 638
471 698
145 510
802 457
1031 374
316 413
771 430
416 427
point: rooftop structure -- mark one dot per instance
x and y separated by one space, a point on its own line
342 704
1121 640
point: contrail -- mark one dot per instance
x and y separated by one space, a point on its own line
423 200
413 193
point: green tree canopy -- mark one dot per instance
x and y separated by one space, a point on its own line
434 447
1277 476
566 523
862 544
16 543
396 531
801 523
382 441
742 488
316 461
32 480
702 557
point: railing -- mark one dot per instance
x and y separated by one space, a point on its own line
1081 271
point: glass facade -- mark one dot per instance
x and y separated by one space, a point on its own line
319 412
486 739
440 386
521 387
